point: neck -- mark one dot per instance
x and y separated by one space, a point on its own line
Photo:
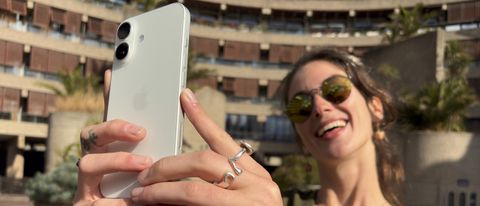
354 179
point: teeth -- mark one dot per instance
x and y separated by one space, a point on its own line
331 125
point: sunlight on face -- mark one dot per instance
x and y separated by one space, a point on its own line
333 131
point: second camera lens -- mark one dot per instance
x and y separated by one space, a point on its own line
123 30
121 51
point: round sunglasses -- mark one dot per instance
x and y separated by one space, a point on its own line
335 89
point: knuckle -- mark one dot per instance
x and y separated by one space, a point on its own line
84 132
273 192
205 157
124 158
114 124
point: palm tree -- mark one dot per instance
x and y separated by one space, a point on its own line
79 93
152 4
406 23
441 106
73 82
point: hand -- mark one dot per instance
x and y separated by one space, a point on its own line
253 186
95 162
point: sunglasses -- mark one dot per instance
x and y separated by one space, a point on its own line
335 89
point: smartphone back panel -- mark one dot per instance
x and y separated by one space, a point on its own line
146 86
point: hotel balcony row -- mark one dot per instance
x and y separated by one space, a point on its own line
325 21
327 5
89 23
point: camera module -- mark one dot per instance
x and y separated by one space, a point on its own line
121 51
123 30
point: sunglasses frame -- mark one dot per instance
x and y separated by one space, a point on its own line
300 115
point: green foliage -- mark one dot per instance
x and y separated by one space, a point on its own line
296 171
56 187
456 60
73 82
441 106
152 4
389 72
438 106
406 23
192 73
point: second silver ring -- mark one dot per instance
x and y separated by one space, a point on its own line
245 148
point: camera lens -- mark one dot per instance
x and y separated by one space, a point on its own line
123 30
121 51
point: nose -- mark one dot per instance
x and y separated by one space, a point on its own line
321 105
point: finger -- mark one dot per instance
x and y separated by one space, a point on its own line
207 165
218 140
332 199
187 193
94 138
108 202
106 91
92 167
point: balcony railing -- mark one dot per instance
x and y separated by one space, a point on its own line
12 186
56 33
261 136
340 28
237 63
254 100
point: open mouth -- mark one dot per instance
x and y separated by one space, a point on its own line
331 128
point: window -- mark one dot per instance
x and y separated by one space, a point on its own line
451 199
462 200
473 199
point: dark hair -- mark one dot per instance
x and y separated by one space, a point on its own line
390 169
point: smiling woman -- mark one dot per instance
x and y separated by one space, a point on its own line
339 114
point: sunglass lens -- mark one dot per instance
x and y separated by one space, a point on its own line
336 89
299 108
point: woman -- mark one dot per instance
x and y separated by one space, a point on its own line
336 110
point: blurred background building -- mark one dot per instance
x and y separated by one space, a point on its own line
248 46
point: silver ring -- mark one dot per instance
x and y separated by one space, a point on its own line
226 181
245 148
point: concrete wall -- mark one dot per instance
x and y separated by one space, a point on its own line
415 59
439 163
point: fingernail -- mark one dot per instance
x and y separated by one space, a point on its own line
142 176
190 96
136 192
134 129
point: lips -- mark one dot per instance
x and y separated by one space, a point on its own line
331 129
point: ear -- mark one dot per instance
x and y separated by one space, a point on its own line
376 109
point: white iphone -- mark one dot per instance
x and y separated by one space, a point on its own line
149 73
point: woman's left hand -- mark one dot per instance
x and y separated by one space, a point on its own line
253 186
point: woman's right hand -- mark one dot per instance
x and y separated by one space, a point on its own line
96 162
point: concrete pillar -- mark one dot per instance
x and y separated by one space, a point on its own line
15 159
214 104
64 130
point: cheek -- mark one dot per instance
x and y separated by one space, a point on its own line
360 115
304 134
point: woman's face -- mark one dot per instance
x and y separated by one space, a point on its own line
348 124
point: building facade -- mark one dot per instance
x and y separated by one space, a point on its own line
249 46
